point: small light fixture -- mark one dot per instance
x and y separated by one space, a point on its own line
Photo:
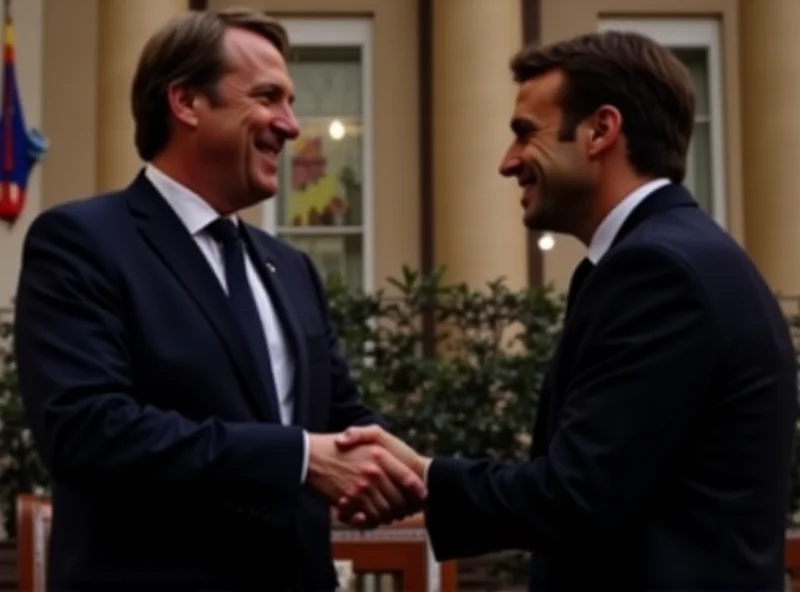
336 129
546 242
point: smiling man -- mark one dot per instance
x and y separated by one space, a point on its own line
179 367
662 445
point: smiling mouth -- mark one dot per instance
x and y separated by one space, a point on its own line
529 178
267 148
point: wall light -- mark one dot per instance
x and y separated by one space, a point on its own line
336 129
546 242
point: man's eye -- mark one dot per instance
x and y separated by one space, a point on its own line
270 96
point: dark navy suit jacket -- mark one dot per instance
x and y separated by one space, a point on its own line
170 468
661 453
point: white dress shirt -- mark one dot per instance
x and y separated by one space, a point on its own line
604 236
196 214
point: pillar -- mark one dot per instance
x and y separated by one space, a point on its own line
479 233
771 138
124 26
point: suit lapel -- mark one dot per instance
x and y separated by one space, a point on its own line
663 199
271 273
167 236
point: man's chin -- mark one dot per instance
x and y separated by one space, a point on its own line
535 221
264 189
541 219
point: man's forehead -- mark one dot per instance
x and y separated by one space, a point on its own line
540 95
244 44
252 53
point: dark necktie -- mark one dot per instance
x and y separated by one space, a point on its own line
579 276
241 298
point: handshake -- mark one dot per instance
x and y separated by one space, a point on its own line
372 477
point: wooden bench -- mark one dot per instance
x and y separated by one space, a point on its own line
396 558
34 514
793 558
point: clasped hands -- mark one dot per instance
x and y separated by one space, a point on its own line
371 476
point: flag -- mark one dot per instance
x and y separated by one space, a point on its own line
20 148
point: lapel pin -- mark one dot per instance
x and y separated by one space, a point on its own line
270 267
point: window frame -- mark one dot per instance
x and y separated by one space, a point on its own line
347 32
693 33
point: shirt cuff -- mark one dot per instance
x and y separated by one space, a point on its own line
305 458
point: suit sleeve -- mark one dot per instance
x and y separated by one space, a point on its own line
72 341
346 408
638 384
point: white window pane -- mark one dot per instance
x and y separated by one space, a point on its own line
696 42
327 80
699 173
699 178
696 60
322 171
340 255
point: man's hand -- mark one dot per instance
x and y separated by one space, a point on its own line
356 437
378 486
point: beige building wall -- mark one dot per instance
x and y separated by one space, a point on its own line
770 98
479 233
59 70
69 103
88 68
582 17
124 26
28 29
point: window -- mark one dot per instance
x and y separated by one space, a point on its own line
323 206
696 42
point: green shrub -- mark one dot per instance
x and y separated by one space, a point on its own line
21 470
476 397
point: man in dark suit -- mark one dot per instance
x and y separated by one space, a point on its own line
661 453
179 368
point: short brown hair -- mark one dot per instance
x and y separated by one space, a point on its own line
188 50
646 82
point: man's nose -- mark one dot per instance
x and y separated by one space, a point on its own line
510 166
288 124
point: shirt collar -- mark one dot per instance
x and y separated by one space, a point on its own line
193 210
609 227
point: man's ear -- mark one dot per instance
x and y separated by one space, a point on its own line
605 127
184 102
